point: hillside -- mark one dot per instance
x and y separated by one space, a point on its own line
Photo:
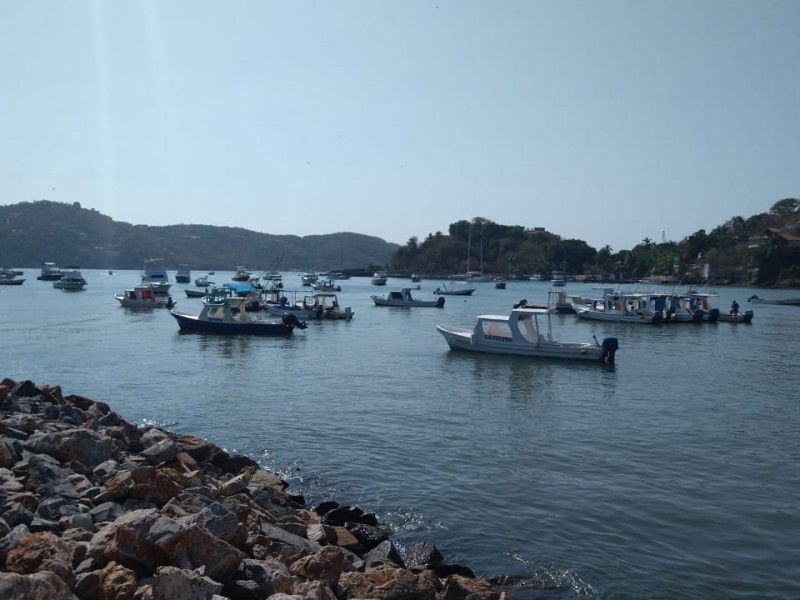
34 232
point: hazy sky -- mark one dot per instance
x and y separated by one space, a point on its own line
608 121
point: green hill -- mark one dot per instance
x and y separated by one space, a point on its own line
34 232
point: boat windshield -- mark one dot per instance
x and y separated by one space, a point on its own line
528 329
498 331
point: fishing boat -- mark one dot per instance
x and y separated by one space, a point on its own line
405 298
326 285
624 307
521 333
320 306
224 313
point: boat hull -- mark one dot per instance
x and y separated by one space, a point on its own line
597 315
464 340
784 302
446 292
379 301
192 323
746 317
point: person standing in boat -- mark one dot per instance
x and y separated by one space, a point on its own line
734 308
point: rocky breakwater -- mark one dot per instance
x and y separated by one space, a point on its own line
94 507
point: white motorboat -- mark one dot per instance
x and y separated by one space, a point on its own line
154 275
144 296
454 290
71 280
203 281
183 274
308 278
379 278
520 333
241 274
50 272
404 298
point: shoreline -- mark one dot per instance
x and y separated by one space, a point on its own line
94 507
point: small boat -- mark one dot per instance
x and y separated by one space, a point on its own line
404 298
308 278
453 291
692 307
624 307
50 272
415 278
520 333
9 277
183 274
203 281
320 306
326 285
241 274
71 281
144 296
154 275
745 317
379 278
223 313
785 301
195 293
499 283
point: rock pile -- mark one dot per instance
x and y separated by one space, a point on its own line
92 507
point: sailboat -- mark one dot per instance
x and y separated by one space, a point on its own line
475 275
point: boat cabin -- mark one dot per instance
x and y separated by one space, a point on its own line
521 326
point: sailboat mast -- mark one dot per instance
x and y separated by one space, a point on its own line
469 246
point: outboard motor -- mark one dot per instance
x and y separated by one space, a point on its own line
610 346
713 315
290 319
697 316
440 302
658 317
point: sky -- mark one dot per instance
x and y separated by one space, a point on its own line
605 121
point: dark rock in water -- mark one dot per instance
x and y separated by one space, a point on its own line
385 551
423 553
348 514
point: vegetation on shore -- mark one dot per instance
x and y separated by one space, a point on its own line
763 249
758 250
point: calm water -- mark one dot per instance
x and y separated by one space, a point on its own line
674 475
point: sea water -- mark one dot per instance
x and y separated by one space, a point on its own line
674 474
